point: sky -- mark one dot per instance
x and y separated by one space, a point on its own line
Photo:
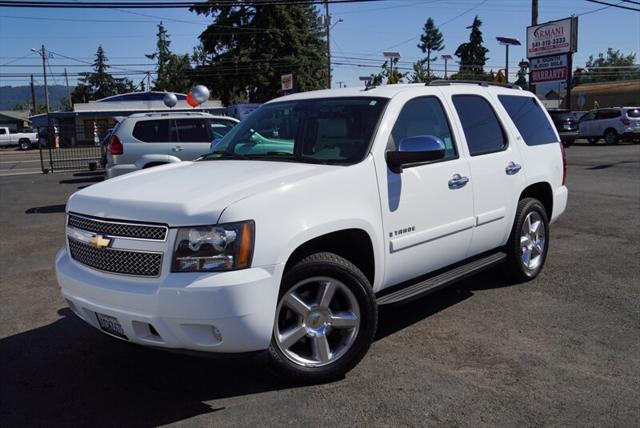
362 31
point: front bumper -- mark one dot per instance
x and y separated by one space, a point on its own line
569 135
225 312
630 135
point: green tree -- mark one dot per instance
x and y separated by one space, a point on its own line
612 66
172 71
472 54
387 75
250 46
100 83
431 40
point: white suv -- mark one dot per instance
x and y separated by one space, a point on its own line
310 214
144 140
612 124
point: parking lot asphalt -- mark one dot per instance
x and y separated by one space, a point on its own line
562 350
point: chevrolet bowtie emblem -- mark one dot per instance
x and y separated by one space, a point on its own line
99 241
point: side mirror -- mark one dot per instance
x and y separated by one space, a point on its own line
413 150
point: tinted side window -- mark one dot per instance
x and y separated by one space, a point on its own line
192 131
152 131
423 116
480 123
527 115
608 114
3 131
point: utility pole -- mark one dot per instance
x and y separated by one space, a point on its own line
34 107
66 78
534 12
148 81
327 26
43 52
446 58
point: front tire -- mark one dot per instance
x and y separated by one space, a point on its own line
529 241
25 145
326 319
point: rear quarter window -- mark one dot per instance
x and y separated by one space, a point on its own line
529 118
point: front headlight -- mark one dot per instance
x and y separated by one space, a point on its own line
214 248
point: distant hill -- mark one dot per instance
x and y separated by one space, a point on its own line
10 96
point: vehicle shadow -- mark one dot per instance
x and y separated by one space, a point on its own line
66 373
48 209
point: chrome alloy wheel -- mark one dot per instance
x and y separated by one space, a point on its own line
317 321
532 241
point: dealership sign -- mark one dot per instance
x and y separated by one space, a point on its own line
553 68
553 37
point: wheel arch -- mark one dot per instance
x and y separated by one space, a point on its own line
541 191
353 244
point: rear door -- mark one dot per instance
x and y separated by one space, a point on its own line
496 169
633 118
191 138
149 141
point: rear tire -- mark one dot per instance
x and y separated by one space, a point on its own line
326 319
611 136
24 145
529 241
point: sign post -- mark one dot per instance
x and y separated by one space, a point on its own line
550 48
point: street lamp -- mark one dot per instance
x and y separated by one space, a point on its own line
507 41
446 57
391 56
366 80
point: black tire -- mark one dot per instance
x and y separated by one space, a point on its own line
515 269
335 267
24 144
593 140
611 136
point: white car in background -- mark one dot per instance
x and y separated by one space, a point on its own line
612 124
146 140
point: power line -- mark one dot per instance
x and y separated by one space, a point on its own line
618 5
161 5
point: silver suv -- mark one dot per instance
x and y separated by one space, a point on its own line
150 139
613 124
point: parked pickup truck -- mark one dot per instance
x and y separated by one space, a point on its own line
312 213
23 139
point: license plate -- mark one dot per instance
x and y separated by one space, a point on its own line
111 325
567 127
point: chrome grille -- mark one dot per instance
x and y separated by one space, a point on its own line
125 230
116 261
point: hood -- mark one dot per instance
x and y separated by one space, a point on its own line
187 193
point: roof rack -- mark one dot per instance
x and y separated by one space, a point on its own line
442 82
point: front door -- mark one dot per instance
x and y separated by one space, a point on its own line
428 209
496 168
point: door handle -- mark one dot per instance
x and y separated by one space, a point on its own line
178 149
458 181
512 168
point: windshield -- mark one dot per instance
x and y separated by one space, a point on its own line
328 130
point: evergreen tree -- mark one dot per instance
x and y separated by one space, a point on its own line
430 41
248 47
172 71
100 83
473 56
